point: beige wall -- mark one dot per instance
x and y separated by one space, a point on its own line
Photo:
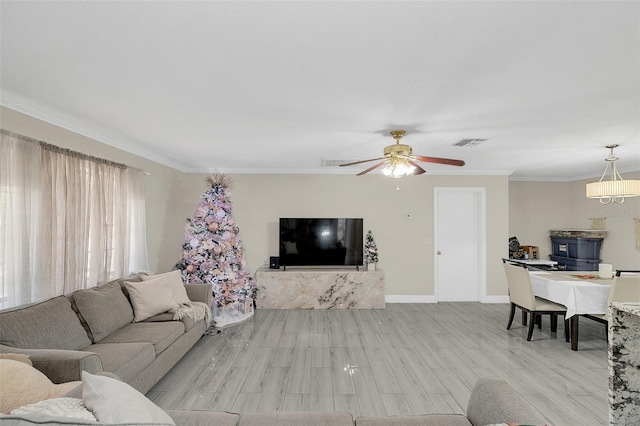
405 256
527 210
162 186
537 207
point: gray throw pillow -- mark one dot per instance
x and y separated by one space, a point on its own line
104 308
51 324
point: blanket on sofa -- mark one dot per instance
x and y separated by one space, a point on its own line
195 310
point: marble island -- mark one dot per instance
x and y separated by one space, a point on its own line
624 364
320 289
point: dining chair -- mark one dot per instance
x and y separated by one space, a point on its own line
524 313
521 296
625 288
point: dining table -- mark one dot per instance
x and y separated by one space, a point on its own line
582 292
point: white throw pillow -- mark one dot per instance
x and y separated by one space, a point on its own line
72 408
113 401
176 285
150 298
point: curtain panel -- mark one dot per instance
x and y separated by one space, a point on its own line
67 221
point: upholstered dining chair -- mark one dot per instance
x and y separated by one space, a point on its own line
521 296
625 288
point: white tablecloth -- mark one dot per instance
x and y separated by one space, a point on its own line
580 296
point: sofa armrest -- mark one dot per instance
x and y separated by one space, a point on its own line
494 401
200 293
60 365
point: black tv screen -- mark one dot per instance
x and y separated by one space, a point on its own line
321 242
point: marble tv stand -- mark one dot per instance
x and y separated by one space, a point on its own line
320 289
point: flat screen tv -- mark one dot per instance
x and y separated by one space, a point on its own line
321 242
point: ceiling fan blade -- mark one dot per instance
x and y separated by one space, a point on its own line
371 168
448 161
362 161
419 170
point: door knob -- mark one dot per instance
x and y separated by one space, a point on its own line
439 252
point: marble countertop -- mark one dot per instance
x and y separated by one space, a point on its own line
630 307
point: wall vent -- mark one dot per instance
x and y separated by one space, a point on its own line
470 142
329 162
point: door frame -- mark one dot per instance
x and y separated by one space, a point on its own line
481 218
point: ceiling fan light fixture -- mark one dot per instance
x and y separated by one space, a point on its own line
400 161
397 168
616 189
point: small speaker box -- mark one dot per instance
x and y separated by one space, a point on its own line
274 262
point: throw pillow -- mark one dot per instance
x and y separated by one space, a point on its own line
51 324
112 401
104 308
150 298
72 408
175 284
17 357
22 384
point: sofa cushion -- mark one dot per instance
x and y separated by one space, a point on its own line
113 401
104 309
22 384
125 360
150 298
186 320
51 324
493 400
419 420
211 418
159 334
176 285
307 418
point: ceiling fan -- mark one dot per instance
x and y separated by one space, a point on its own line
400 161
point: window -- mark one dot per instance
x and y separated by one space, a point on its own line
67 221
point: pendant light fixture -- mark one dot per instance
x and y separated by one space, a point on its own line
616 189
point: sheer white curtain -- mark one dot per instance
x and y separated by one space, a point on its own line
67 221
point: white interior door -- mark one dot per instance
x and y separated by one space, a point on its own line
459 243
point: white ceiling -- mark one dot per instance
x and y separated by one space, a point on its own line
276 87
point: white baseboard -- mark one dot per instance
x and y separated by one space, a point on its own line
496 299
392 298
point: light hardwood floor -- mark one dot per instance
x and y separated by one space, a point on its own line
405 359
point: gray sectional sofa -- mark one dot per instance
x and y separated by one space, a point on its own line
492 401
93 330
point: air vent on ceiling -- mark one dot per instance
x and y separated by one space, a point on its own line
327 162
470 142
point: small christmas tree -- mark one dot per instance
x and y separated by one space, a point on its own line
370 249
212 251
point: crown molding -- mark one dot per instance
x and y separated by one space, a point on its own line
109 137
344 171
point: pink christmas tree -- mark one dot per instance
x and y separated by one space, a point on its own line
212 251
